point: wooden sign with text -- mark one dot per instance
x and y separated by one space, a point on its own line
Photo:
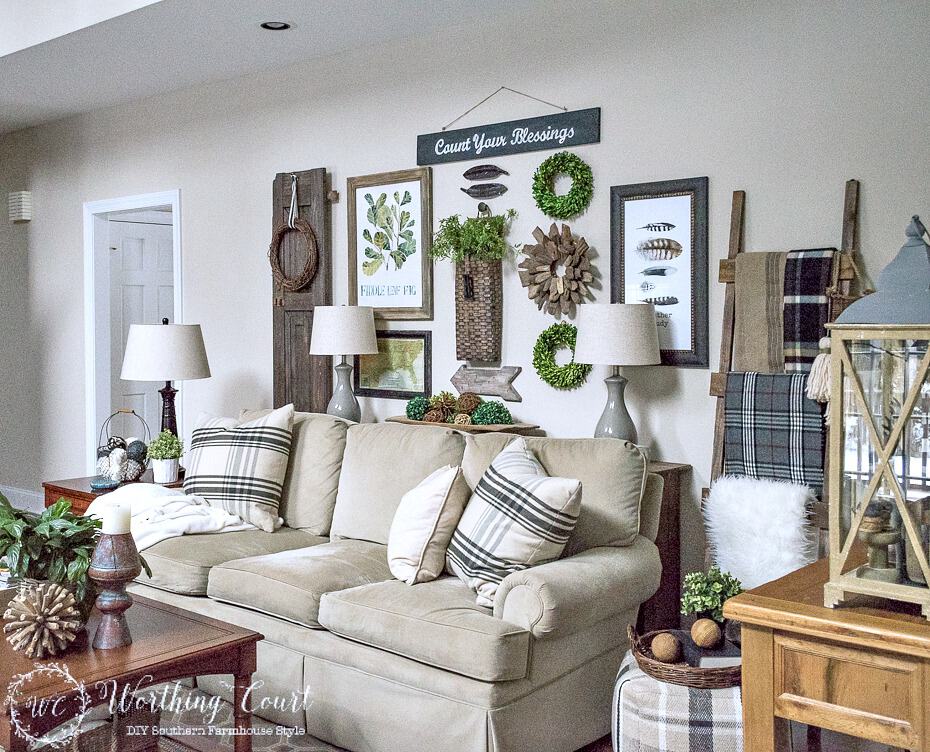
557 131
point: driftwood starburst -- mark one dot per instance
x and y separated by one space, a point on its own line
556 271
43 620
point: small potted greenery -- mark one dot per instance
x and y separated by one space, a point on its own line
165 453
705 594
477 247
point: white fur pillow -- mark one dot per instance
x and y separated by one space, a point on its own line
758 530
423 525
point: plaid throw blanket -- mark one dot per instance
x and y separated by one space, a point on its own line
771 429
652 716
808 274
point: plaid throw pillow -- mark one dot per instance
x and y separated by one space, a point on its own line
516 518
240 467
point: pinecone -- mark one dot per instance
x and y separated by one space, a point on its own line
462 419
43 621
467 403
444 401
434 416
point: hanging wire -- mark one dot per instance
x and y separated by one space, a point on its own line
495 93
292 212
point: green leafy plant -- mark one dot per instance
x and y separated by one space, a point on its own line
491 413
479 238
417 407
579 196
705 594
393 237
166 446
568 376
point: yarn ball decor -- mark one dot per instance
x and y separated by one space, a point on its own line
434 416
116 442
706 633
666 647
116 469
417 408
136 451
462 419
577 199
491 414
133 470
571 375
42 621
467 403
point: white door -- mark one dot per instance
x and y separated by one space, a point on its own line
141 292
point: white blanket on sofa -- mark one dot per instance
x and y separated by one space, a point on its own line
159 513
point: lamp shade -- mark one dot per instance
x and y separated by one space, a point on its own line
165 352
343 330
617 334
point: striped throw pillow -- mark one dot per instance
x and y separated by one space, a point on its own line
240 467
517 517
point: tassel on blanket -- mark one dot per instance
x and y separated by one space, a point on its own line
819 379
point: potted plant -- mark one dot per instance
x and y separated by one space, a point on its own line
705 594
165 453
55 546
477 247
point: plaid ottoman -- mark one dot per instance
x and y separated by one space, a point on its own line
652 716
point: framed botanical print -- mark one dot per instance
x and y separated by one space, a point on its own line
402 368
390 232
658 236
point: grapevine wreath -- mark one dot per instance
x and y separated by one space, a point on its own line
577 199
304 229
569 376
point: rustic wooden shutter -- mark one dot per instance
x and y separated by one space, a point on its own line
301 378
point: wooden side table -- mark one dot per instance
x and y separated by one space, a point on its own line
79 492
856 669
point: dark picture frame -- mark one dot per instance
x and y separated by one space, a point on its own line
658 244
362 371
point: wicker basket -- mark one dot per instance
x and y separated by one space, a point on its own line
683 674
479 306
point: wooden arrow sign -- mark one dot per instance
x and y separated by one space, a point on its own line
493 382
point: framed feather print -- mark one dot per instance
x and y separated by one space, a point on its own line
658 238
390 232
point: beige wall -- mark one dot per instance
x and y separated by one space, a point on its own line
785 100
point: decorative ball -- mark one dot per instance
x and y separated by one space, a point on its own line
116 442
417 408
706 633
462 419
42 621
490 414
444 401
103 465
117 466
666 647
434 416
467 403
136 451
133 470
103 452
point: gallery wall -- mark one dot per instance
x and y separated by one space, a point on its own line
784 100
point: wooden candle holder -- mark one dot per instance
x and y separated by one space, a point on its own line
114 565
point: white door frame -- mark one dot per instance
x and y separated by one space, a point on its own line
93 224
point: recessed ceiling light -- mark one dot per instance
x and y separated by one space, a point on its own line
275 25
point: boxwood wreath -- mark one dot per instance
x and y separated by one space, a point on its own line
577 199
571 375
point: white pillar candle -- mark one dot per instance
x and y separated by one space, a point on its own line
116 520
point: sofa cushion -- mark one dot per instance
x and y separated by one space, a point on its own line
382 462
182 565
289 584
436 623
317 446
612 475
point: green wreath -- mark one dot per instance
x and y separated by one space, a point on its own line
577 199
569 376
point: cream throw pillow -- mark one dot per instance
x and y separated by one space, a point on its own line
423 525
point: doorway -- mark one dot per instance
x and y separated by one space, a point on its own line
132 276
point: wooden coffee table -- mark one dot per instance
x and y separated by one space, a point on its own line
168 644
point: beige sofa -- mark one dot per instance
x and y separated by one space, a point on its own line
383 666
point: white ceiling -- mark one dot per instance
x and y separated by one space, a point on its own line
174 44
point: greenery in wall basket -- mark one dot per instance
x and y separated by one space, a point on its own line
569 376
705 594
577 199
478 238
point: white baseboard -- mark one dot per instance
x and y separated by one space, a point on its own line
23 499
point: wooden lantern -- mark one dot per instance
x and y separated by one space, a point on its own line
879 476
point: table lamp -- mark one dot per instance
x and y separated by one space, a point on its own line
343 330
617 334
165 352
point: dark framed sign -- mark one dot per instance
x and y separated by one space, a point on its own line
402 368
558 131
658 237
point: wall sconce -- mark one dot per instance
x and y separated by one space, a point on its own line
20 203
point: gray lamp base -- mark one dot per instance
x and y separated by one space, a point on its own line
615 422
343 403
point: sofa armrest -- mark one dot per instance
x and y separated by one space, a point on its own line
650 508
568 595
